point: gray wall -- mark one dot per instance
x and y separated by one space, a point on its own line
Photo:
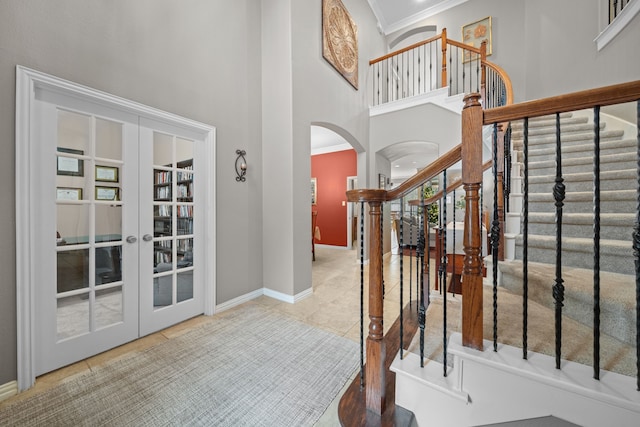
546 46
197 60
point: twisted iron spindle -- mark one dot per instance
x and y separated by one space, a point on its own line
361 295
401 244
558 287
382 246
507 167
495 237
410 254
420 283
596 243
444 269
636 251
525 242
439 237
453 293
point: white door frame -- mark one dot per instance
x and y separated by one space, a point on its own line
28 81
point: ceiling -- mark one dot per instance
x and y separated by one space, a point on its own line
405 158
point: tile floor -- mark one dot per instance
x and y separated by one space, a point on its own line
334 306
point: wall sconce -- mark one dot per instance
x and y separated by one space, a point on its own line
241 166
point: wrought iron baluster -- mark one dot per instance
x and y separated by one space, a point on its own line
453 269
525 242
420 256
418 68
410 253
401 244
382 246
361 295
558 287
636 250
444 264
451 72
495 237
439 237
596 243
507 167
378 81
478 67
430 68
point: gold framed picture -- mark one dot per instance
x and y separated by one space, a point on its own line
106 174
475 33
107 193
68 193
340 40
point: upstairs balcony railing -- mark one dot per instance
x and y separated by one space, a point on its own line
437 63
615 7
565 190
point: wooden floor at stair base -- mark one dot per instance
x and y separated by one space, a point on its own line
352 409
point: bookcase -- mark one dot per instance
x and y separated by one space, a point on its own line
169 207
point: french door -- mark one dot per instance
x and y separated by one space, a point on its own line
123 197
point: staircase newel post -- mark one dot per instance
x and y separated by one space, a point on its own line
375 367
472 119
444 57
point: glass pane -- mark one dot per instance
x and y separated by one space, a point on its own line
108 308
108 139
72 316
162 221
161 185
162 149
184 153
108 223
72 270
74 132
72 224
185 285
184 186
108 264
185 219
162 253
184 252
163 291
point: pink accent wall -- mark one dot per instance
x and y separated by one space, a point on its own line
331 171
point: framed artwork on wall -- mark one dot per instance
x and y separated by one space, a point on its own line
475 33
106 173
340 40
70 166
314 191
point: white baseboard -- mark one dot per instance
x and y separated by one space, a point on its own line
239 300
291 299
7 390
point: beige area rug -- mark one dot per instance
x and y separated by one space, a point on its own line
248 367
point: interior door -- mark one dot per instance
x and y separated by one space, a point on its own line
86 292
172 225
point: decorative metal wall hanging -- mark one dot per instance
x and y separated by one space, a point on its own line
340 40
241 166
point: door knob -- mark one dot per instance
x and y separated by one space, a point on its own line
147 237
131 239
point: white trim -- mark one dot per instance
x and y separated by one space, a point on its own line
614 28
417 17
210 234
291 299
612 388
439 97
331 149
7 390
239 300
27 80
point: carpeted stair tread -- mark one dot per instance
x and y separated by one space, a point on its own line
569 138
579 124
579 150
613 219
618 175
613 226
546 121
580 196
617 295
617 356
582 161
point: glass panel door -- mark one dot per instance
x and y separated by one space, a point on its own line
91 303
173 224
